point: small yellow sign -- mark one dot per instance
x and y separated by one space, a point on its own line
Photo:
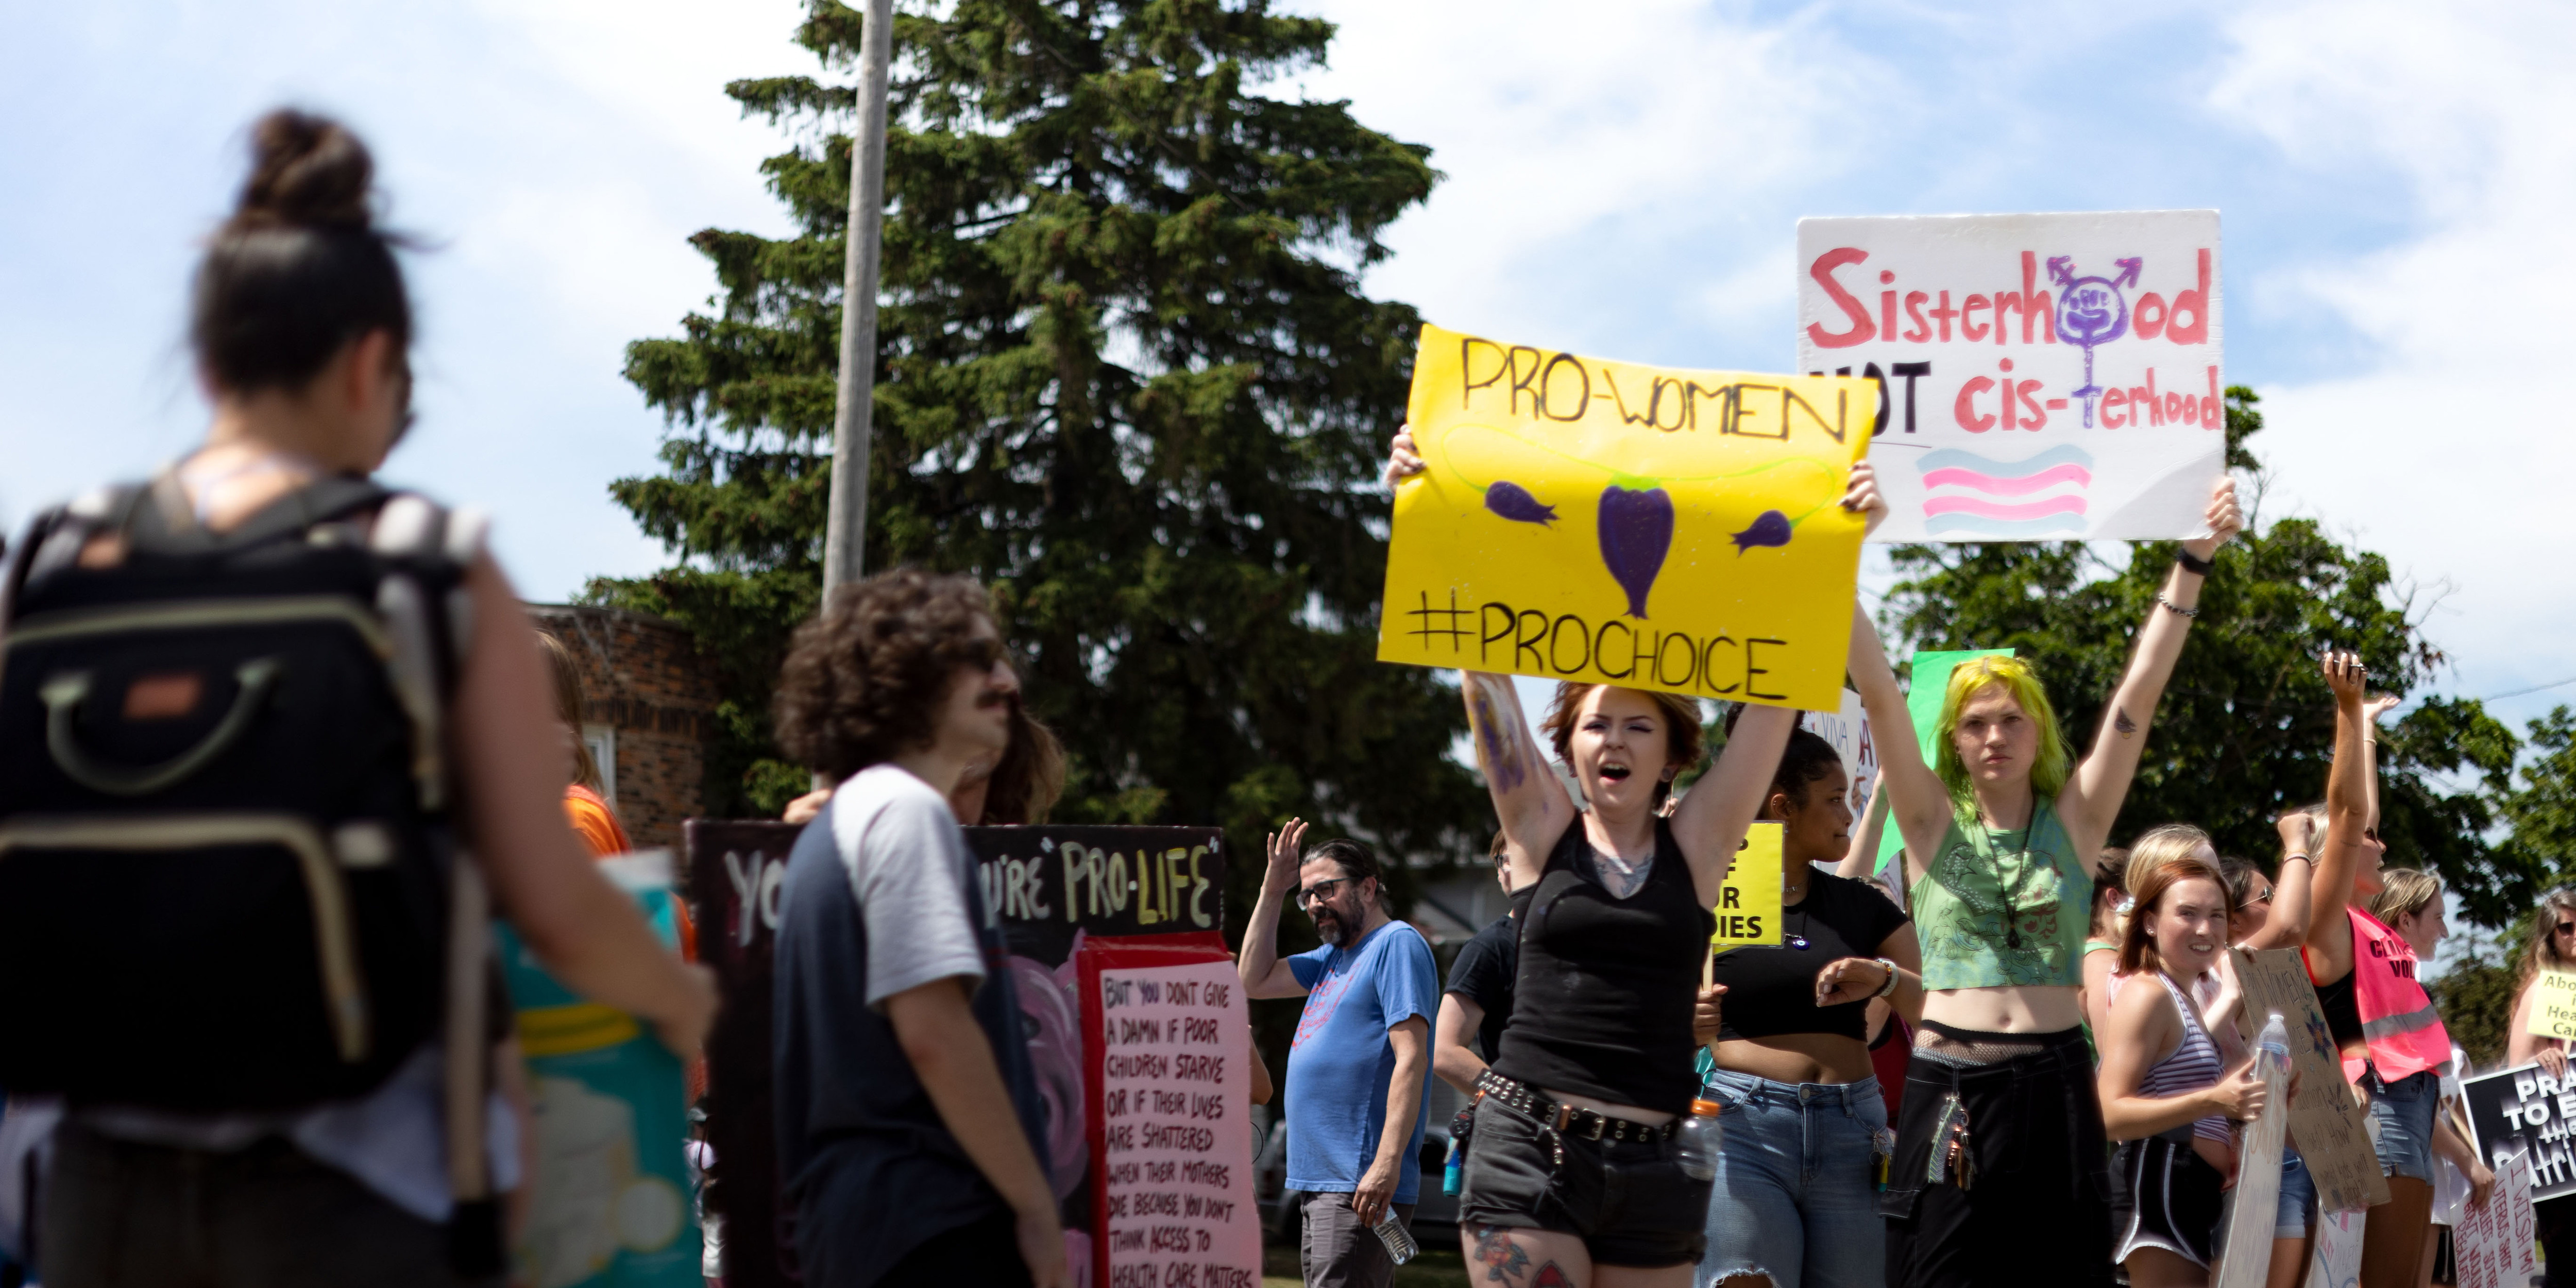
1611 523
1748 908
2553 1005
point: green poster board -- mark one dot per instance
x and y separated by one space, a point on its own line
1930 680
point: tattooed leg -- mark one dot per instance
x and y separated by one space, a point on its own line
1510 1257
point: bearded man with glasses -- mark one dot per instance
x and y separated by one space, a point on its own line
1360 1068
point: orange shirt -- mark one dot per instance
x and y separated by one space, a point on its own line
598 828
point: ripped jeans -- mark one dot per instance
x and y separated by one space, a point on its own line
1796 1196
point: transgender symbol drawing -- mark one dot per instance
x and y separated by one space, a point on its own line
2091 311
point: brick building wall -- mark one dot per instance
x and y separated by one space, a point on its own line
643 681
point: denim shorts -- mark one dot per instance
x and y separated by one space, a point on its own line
2401 1122
2298 1197
1796 1196
1629 1201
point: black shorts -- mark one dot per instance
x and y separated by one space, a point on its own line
2170 1199
1627 1200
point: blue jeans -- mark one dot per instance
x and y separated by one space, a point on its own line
1796 1196
2298 1197
2401 1115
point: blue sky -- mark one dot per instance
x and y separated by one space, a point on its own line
1624 180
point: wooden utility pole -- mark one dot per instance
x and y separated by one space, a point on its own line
845 531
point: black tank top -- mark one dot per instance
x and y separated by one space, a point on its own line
1603 1003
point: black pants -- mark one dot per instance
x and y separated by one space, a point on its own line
2557 1220
986 1252
2037 1207
123 1215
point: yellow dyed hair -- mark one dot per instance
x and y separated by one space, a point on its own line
2055 761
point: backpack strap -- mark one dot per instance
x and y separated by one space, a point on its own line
156 517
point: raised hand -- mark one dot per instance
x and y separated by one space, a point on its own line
2347 677
2225 520
1861 496
1402 461
2379 704
1280 876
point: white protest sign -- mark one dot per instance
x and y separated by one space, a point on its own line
2334 1260
2245 1247
1848 731
1177 1143
2042 377
2492 1244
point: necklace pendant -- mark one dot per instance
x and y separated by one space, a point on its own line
1798 942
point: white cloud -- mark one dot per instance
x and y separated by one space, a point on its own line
2447 446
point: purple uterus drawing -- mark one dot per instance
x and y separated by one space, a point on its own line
2091 311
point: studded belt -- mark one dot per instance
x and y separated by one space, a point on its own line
1565 1119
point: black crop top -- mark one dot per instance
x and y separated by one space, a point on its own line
1771 991
2342 1008
1603 1003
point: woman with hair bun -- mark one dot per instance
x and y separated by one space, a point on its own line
301 329
1999 1139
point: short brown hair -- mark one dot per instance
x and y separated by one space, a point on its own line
1685 743
865 678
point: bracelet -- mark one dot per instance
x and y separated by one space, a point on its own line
2299 858
2196 567
2174 608
1892 978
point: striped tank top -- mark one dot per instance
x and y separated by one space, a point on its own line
2192 1066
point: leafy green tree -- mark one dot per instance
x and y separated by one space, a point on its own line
1125 375
2246 728
2542 809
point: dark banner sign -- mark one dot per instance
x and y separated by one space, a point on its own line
2525 1108
1052 888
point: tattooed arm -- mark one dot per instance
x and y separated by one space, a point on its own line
1529 800
2092 797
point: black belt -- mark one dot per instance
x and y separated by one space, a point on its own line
1565 1119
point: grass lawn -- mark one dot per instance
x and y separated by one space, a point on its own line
1436 1267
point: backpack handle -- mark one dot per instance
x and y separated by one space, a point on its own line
63 695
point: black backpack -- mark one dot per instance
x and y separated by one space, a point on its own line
225 851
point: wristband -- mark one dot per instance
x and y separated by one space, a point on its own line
2196 567
1893 978
2174 608
2299 858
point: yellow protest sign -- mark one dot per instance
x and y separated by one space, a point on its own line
2553 1005
1748 907
1614 523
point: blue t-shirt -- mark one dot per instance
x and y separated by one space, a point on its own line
1341 1062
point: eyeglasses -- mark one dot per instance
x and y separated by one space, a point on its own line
1320 891
2567 927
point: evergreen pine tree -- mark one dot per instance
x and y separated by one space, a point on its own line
1125 375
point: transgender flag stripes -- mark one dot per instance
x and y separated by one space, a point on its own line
1972 495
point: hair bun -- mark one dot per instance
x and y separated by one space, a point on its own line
305 170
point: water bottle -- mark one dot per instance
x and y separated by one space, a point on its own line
2273 1046
1454 1171
1695 1141
1400 1246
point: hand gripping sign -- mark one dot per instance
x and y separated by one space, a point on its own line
2041 377
1620 524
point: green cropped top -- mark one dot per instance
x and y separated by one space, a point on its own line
1997 908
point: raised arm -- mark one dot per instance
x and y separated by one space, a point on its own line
1917 800
1860 862
2340 854
1715 812
1527 797
2091 800
1263 973
2294 889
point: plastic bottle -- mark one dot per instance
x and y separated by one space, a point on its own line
1400 1246
1695 1142
1454 1171
2274 1046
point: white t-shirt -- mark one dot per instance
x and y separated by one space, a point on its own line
908 867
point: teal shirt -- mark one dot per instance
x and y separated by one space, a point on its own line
2004 908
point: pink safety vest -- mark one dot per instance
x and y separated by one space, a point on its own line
2406 1036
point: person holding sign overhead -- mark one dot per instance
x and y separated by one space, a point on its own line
2394 1046
1795 1202
2552 952
1572 1172
1999 1143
